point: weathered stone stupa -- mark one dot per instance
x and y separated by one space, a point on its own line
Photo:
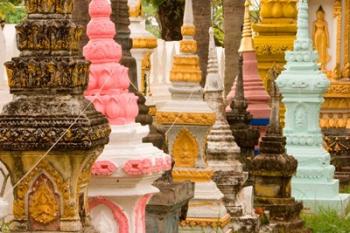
187 119
272 170
302 85
124 173
222 151
256 95
50 134
238 118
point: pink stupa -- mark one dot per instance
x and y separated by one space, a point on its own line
108 81
122 177
255 93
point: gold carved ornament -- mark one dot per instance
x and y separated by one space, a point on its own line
185 118
188 30
186 69
206 222
144 42
321 38
192 174
43 207
188 46
62 185
136 11
185 149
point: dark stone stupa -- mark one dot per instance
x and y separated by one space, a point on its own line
50 135
272 170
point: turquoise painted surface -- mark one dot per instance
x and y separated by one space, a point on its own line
302 85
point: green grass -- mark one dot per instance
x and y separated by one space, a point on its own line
327 222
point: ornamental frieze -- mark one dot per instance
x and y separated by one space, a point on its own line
62 74
51 35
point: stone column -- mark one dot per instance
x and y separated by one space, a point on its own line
50 134
187 119
124 173
302 85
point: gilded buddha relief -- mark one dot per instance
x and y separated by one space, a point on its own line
321 37
185 149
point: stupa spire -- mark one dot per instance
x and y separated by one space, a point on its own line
239 102
188 14
213 81
302 85
274 127
246 41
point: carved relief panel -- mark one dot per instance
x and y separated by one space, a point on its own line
185 149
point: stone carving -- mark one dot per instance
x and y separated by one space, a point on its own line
185 149
44 206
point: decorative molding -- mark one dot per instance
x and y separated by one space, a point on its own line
119 215
186 118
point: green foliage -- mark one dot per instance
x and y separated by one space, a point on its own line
327 221
10 12
218 21
150 14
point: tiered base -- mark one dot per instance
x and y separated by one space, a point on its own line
206 212
314 184
283 214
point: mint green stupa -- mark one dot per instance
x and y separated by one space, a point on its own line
302 85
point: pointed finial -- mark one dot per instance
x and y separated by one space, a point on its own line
303 40
274 125
246 41
213 80
239 103
188 14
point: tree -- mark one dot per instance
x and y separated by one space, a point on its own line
170 16
233 15
202 21
11 11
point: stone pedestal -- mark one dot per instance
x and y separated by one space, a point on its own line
169 207
187 119
302 85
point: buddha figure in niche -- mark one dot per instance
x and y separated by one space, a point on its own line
321 37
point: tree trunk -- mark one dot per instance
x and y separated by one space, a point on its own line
170 14
233 20
202 21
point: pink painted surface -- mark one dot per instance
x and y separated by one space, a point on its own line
118 214
137 167
139 213
103 168
108 81
254 91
